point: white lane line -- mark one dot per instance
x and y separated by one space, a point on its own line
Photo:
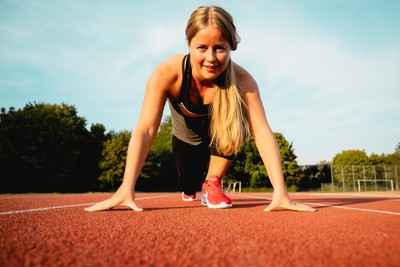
357 209
69 206
338 207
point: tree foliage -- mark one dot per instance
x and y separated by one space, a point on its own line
352 165
158 172
112 164
47 148
397 149
290 167
248 167
314 175
351 157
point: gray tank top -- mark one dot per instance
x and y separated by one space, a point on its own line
190 122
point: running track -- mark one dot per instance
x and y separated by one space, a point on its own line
54 230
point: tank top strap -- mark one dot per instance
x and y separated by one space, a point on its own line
186 79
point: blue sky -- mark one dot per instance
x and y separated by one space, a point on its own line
328 71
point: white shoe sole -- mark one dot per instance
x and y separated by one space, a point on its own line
221 205
187 199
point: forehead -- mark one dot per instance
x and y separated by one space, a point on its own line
210 34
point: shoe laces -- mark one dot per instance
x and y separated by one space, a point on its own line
215 184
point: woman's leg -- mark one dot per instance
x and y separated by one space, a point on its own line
212 194
218 166
219 163
191 164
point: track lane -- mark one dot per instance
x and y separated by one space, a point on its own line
170 232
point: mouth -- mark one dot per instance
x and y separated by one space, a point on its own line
210 68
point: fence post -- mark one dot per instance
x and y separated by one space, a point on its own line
341 168
364 178
384 168
332 182
333 185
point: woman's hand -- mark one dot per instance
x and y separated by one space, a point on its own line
284 201
124 197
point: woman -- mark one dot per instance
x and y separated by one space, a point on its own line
214 105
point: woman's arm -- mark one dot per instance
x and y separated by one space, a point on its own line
162 83
266 143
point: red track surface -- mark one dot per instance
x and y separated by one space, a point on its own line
54 230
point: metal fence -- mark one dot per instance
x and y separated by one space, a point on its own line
356 178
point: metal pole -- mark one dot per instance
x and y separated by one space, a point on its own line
332 183
354 183
384 167
376 186
386 185
365 189
341 167
333 187
397 180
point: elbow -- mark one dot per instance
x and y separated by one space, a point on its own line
145 133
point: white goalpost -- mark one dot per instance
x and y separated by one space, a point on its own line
364 184
232 187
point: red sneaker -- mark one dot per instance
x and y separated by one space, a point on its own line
212 195
188 197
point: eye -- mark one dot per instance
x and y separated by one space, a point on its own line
220 49
201 48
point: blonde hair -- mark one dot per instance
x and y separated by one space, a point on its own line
228 121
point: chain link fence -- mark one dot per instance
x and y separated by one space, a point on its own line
352 178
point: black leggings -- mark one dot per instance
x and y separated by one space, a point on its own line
192 163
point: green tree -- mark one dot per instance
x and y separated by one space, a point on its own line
391 166
397 149
160 165
376 159
46 148
248 167
351 157
291 169
242 164
392 159
158 172
314 175
324 162
254 166
112 164
350 162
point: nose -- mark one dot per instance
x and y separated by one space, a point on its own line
211 56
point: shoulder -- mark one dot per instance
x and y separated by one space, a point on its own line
245 81
170 67
167 75
173 62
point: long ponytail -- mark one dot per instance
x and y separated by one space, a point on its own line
228 126
228 123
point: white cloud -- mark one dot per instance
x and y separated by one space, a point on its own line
164 39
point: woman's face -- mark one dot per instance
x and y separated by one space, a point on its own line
210 53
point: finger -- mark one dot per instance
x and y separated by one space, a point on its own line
270 207
296 206
96 207
134 206
103 205
302 207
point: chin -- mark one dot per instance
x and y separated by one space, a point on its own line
211 75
